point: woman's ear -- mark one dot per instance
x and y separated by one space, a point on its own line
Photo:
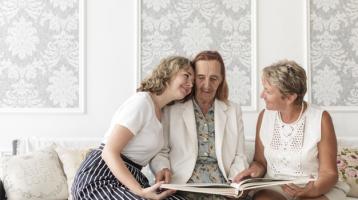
291 98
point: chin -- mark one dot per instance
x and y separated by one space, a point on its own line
269 107
181 96
206 94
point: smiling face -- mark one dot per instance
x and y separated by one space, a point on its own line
207 79
181 83
272 96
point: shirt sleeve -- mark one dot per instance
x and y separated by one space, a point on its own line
134 114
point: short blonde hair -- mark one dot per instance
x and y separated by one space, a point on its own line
288 77
158 80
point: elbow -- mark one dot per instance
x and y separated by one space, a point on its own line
330 177
105 155
335 177
110 154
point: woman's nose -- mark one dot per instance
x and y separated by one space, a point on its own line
206 83
262 95
190 84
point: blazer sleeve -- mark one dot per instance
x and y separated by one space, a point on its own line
161 159
240 162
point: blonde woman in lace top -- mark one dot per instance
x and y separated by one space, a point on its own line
294 139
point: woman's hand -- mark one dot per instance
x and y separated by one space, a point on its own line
295 191
163 175
255 170
258 166
152 192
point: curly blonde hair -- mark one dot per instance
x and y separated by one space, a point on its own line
158 80
288 77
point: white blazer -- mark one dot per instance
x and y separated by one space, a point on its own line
180 150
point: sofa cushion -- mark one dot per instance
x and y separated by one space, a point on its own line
34 176
347 163
30 144
71 160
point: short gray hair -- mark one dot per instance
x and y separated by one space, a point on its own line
288 77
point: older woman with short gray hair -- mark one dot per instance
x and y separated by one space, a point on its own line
294 139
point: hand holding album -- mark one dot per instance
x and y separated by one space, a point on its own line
254 171
297 190
234 189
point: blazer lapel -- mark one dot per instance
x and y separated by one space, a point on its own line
220 124
189 120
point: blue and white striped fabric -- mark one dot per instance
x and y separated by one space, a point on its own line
95 181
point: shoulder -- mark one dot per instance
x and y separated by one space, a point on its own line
326 117
231 103
267 114
314 111
261 114
138 102
327 128
141 98
228 105
178 106
266 118
314 107
134 112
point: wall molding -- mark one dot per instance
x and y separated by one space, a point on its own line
213 31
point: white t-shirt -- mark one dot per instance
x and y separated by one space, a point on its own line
138 115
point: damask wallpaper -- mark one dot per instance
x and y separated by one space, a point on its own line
40 55
334 53
186 27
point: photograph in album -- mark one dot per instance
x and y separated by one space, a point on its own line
234 189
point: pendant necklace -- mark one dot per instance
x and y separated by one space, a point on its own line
288 129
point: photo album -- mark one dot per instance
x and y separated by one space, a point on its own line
234 189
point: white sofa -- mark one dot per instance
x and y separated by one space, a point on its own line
43 168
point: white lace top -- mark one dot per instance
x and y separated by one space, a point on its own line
291 149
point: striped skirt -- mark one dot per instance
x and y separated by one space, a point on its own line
94 180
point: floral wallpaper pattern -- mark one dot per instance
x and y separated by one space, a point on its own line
333 53
39 54
186 27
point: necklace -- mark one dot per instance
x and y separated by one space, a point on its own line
288 129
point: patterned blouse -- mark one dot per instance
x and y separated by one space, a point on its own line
206 168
